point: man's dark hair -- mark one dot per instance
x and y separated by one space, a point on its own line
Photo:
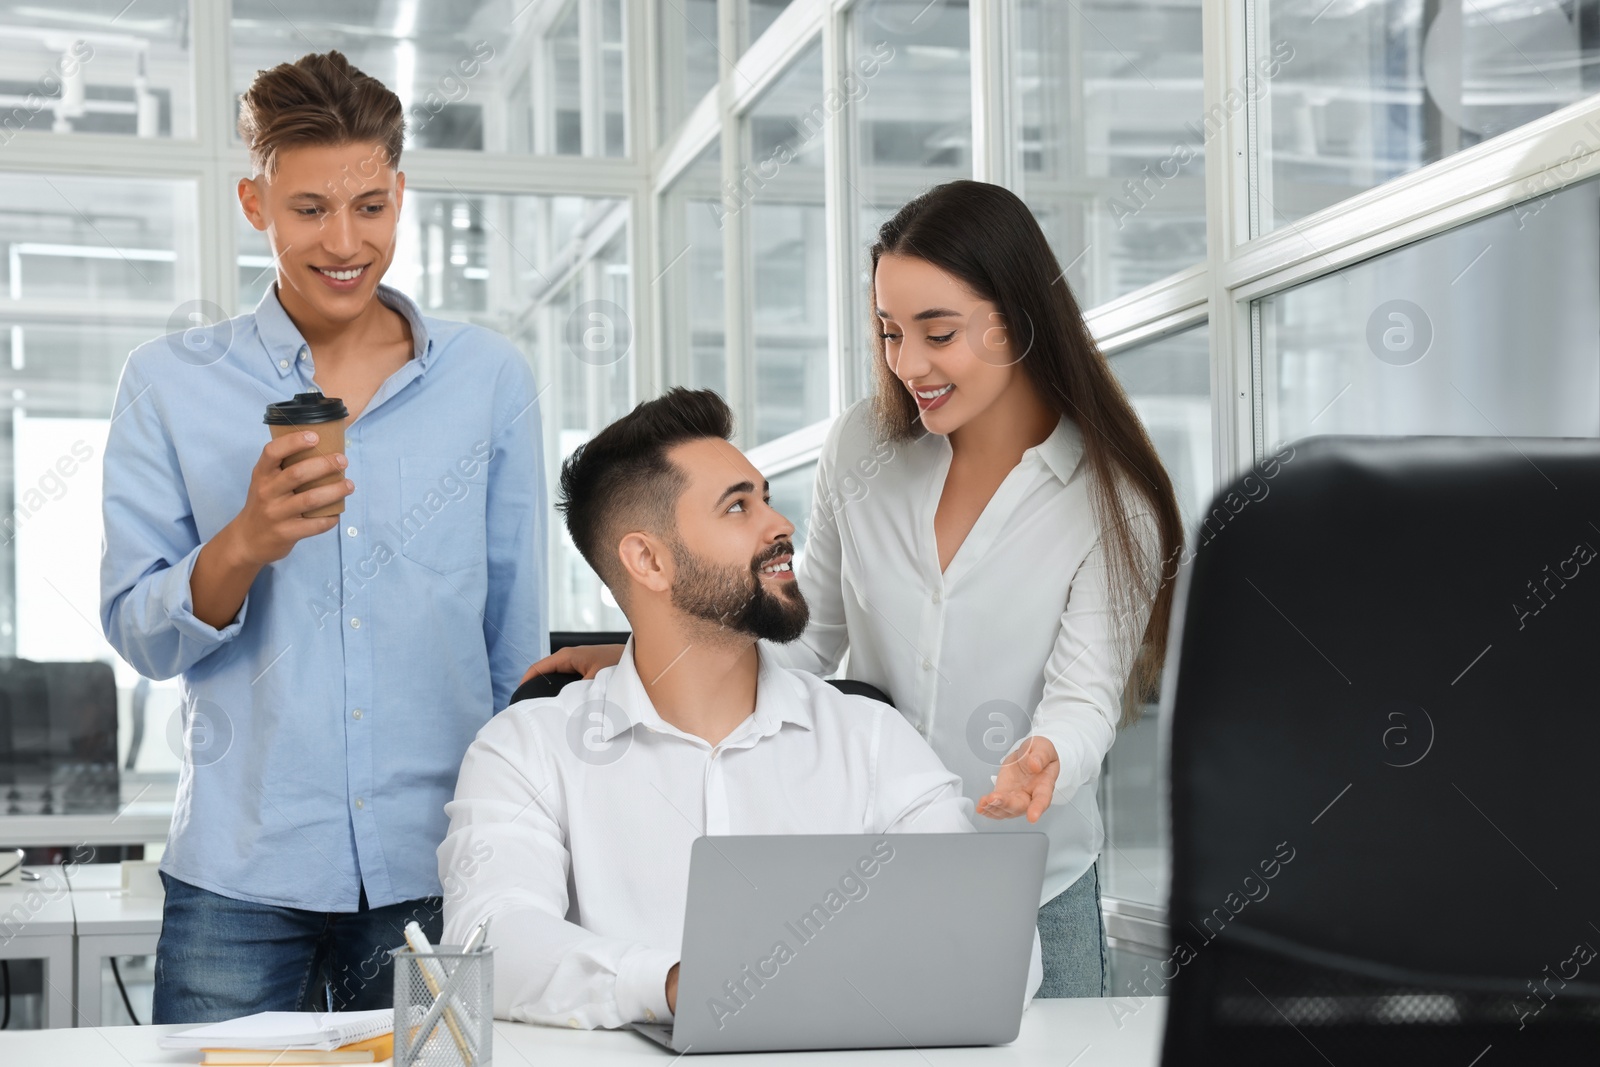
621 480
319 99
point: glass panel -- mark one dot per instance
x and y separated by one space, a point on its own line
95 66
1110 136
911 79
758 15
1169 382
1134 863
1441 337
138 975
28 987
553 274
475 75
782 188
691 279
614 78
1353 94
688 60
791 496
92 268
1138 971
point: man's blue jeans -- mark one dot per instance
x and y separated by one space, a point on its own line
220 958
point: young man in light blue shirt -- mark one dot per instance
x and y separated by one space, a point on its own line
334 670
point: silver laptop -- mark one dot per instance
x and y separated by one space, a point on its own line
835 941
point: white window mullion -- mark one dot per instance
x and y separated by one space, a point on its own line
993 136
838 201
218 202
1228 163
736 265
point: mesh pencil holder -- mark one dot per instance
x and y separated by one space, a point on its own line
443 1007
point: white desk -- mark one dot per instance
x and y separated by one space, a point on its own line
1083 1033
36 923
109 924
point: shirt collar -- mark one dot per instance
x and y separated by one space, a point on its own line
1062 450
283 343
780 698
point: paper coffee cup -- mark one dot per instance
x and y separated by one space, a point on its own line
324 415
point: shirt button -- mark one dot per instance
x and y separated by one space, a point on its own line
573 1022
923 729
355 624
351 530
360 803
927 665
649 1015
283 364
936 596
356 714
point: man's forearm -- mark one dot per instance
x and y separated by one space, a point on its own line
220 580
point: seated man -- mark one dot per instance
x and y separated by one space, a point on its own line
574 815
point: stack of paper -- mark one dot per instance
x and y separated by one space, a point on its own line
292 1037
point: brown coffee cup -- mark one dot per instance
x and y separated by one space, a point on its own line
325 416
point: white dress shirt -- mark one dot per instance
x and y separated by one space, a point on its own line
574 816
1015 636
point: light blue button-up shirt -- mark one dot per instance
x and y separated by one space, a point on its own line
324 726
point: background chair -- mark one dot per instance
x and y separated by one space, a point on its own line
58 737
1383 738
548 685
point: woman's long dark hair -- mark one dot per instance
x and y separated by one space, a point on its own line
986 236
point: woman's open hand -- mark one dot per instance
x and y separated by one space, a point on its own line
1026 782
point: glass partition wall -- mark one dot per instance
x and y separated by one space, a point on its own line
1281 217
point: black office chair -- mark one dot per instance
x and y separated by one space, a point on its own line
548 685
1383 743
58 737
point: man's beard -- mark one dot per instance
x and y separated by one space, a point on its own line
736 597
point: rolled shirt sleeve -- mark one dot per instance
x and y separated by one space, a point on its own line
509 806
150 546
912 792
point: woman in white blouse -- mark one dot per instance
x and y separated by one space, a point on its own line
986 540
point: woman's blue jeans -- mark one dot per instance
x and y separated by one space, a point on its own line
1072 941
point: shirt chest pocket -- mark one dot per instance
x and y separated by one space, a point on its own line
441 520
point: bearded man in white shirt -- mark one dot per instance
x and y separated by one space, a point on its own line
574 815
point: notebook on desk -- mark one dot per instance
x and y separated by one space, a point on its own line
290 1030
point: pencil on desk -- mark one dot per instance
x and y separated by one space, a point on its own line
420 945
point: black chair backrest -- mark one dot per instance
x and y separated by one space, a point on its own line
548 685
1383 734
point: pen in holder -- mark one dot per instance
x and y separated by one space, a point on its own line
443 1007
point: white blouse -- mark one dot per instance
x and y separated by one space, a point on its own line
1015 636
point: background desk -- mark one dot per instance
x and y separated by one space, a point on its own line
1083 1033
109 923
36 923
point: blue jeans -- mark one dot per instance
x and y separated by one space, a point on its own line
219 958
1072 941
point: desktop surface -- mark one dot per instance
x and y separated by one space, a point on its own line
1091 1032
